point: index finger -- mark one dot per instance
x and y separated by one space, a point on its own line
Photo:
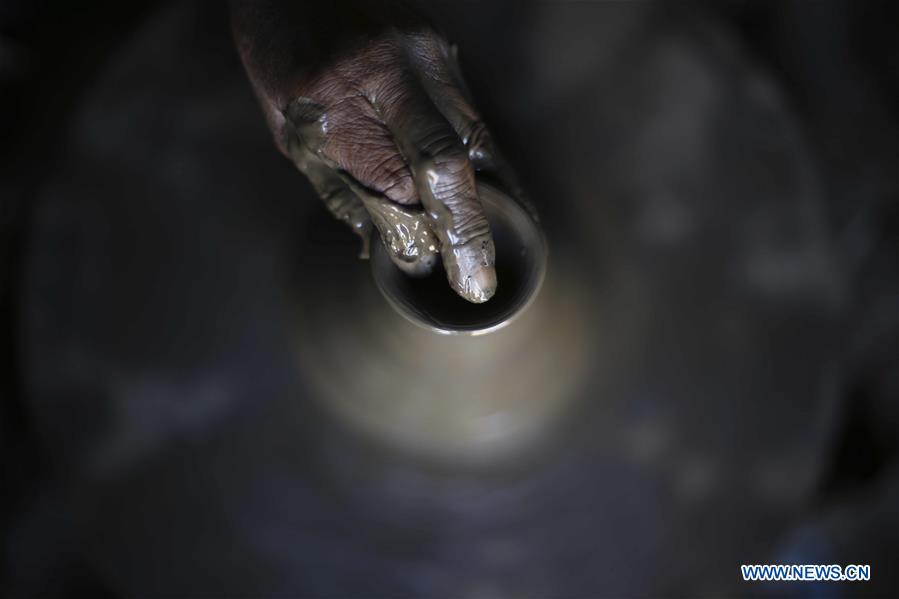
445 181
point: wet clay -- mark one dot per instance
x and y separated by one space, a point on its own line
413 237
406 232
475 255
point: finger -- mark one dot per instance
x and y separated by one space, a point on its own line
453 102
442 78
446 185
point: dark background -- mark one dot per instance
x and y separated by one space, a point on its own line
722 178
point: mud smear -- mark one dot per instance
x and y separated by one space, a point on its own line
413 236
405 231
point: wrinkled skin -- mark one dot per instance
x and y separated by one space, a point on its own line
370 105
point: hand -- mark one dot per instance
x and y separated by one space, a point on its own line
382 126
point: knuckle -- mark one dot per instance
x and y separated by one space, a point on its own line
443 146
470 224
402 189
449 170
382 167
388 88
431 52
480 146
451 178
453 163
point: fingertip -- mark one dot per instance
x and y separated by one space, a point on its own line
481 285
471 270
402 190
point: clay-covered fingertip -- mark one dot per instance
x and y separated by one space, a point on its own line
479 286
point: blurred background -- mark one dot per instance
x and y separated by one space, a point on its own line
710 376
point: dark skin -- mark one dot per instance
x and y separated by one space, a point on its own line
367 100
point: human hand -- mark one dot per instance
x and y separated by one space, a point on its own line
383 128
